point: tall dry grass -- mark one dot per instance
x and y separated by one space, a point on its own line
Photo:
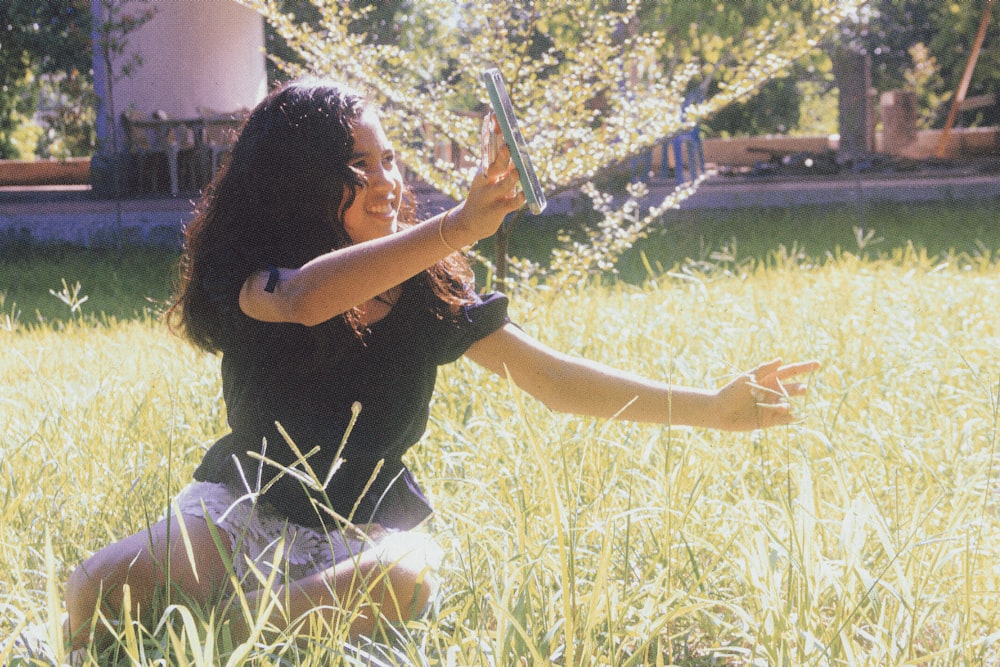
866 534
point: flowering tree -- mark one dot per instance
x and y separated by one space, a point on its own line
592 82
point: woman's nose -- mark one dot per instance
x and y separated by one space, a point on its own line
381 178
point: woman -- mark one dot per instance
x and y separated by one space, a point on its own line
332 308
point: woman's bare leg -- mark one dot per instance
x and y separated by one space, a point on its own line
141 561
391 584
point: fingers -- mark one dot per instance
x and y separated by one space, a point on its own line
786 371
492 195
501 173
766 368
760 398
794 389
503 176
501 166
774 414
772 374
799 368
764 394
771 394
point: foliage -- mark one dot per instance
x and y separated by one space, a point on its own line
53 37
890 29
924 78
818 109
16 107
68 112
52 116
929 39
865 534
590 82
37 37
381 21
23 134
715 34
775 109
47 50
24 139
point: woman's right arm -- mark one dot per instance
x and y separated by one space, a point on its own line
337 281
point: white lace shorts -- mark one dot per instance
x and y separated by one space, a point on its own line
255 532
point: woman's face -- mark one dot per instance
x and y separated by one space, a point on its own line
373 214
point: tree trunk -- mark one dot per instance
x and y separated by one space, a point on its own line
852 71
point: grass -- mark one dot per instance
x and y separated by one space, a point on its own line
866 534
710 235
133 284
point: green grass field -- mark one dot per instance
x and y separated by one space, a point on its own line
866 534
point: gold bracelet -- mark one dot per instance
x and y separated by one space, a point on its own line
441 231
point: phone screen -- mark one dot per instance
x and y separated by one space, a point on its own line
504 111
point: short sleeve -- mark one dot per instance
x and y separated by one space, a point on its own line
475 321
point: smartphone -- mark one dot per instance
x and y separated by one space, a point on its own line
504 110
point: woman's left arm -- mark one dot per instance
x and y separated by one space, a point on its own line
757 399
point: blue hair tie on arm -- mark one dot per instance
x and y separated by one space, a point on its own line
272 279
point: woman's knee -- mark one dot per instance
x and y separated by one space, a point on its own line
412 574
423 589
106 572
142 562
97 584
81 596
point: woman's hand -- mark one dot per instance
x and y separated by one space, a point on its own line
492 195
760 398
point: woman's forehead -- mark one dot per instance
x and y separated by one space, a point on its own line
368 133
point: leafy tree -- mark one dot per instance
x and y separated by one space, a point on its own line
300 11
921 45
718 34
37 37
926 43
593 84
378 19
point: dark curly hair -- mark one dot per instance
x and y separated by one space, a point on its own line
278 201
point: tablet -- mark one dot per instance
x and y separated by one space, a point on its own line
504 110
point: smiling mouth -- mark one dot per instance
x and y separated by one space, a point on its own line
381 207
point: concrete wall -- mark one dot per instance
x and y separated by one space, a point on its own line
969 142
962 143
736 151
195 53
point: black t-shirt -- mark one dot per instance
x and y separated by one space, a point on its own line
307 378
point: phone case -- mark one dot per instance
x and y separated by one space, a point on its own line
504 110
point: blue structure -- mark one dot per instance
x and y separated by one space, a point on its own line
688 143
689 155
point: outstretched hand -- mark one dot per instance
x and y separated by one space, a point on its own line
760 398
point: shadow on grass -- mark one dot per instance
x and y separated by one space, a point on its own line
134 283
816 232
137 282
